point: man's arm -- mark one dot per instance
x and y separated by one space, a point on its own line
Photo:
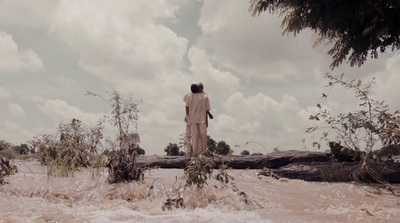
208 108
187 98
210 115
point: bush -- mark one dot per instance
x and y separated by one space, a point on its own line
197 171
6 168
22 149
8 153
74 146
370 126
172 149
122 166
245 153
220 148
4 145
121 153
223 148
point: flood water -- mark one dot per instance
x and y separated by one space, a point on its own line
31 196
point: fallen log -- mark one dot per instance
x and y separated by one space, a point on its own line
304 165
332 171
271 160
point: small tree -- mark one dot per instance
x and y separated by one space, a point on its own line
4 145
370 126
172 149
73 146
223 148
212 144
220 148
245 153
22 149
122 165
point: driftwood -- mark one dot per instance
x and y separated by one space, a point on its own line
293 164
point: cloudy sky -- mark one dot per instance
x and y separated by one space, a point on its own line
262 86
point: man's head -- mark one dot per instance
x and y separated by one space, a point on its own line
194 88
201 87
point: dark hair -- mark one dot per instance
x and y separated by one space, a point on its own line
194 88
201 87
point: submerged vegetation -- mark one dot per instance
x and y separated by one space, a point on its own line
73 146
76 145
198 171
122 152
199 175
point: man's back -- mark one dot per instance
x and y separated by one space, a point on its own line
198 105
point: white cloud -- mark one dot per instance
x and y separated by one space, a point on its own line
123 42
215 81
14 60
263 119
60 111
16 110
26 13
387 86
254 46
12 132
4 93
262 86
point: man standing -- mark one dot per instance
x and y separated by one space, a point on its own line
188 134
201 90
197 108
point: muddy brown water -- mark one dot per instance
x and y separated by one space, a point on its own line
31 196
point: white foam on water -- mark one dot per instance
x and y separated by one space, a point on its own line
31 196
